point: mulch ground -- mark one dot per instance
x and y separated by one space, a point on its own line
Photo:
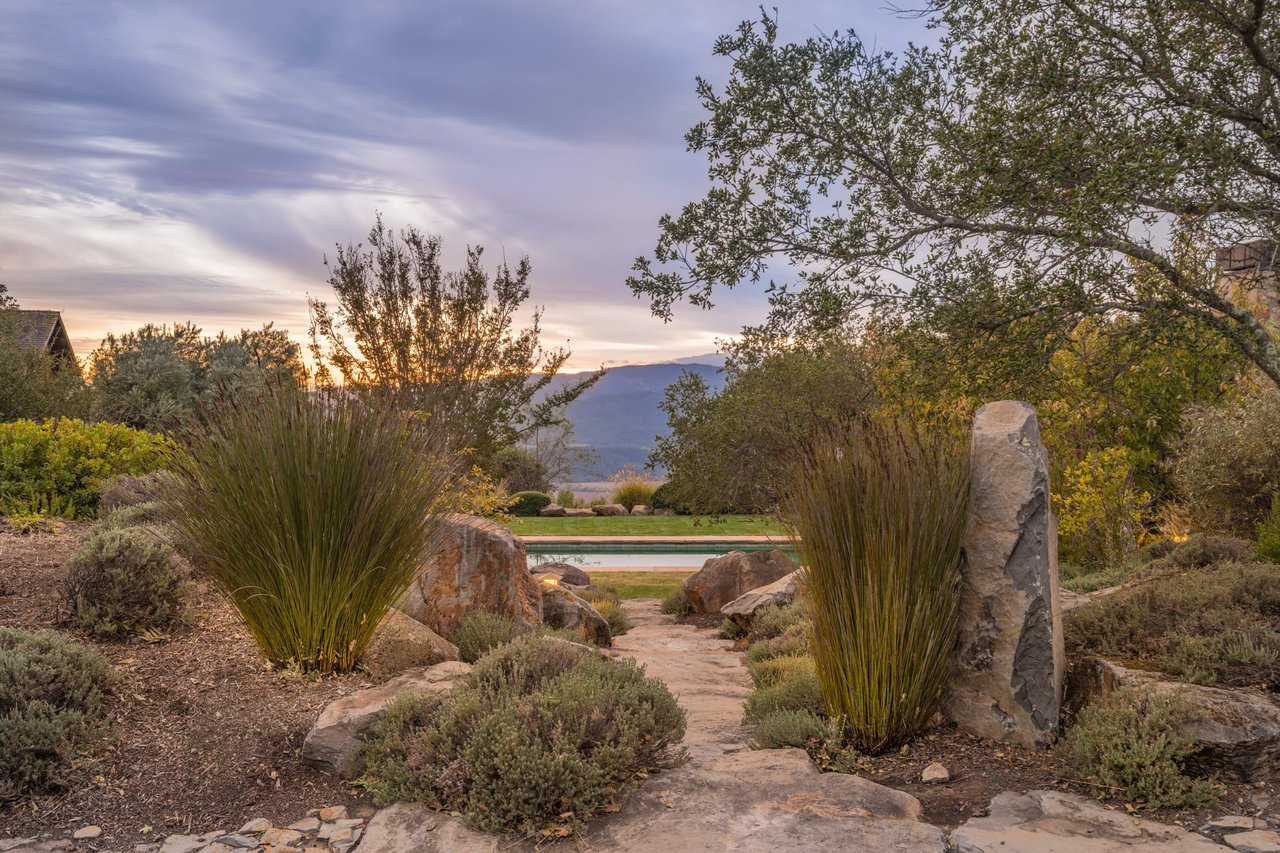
202 736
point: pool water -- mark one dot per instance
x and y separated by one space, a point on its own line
631 556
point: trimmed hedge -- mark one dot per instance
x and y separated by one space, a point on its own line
527 504
57 467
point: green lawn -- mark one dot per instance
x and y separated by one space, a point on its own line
639 584
650 525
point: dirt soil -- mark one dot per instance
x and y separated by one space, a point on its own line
203 736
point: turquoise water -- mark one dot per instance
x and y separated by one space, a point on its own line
674 556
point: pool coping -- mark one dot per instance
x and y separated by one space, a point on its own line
656 540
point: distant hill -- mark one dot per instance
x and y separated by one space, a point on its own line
619 418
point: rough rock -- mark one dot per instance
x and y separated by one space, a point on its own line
935 773
564 572
641 509
609 509
402 642
1010 662
1256 841
780 593
1238 736
477 565
723 579
86 833
257 825
1232 823
331 813
578 512
403 827
1054 822
552 511
562 609
333 744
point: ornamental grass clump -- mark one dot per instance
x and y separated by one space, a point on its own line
879 511
311 512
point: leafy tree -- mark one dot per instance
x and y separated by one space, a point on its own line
154 377
446 339
733 451
1023 175
35 384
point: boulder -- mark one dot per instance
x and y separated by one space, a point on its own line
401 643
780 593
1054 822
552 511
641 509
562 609
722 579
406 826
1238 736
1010 661
579 512
477 565
566 573
333 744
609 509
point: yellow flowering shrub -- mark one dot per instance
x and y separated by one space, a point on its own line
1099 510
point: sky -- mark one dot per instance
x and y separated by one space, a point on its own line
196 161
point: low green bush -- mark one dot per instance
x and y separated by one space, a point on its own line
567 499
769 671
1129 741
795 690
52 692
527 504
772 621
57 467
122 581
598 593
782 729
613 613
663 499
676 604
797 640
1269 533
730 630
480 632
633 493
540 734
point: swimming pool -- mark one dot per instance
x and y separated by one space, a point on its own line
631 555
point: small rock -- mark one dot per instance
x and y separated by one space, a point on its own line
219 847
1257 841
935 773
281 837
306 825
84 833
1230 823
333 813
256 826
342 834
182 844
239 841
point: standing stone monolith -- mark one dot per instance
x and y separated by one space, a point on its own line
1010 660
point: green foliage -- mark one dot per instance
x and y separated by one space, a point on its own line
1268 533
446 340
662 498
769 671
527 504
56 467
156 378
122 581
477 494
677 603
567 499
797 640
782 729
311 513
880 511
1227 462
35 385
633 494
541 734
730 630
731 452
1099 510
1131 740
481 632
613 613
772 621
51 701
519 470
1203 623
796 689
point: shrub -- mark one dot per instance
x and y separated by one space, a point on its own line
477 494
730 630
311 513
1204 625
633 494
58 466
51 699
1099 510
1269 533
797 689
662 499
541 733
527 504
782 729
676 603
772 621
567 499
880 511
1130 740
795 641
613 613
1227 462
480 632
128 490
150 515
599 593
122 581
768 671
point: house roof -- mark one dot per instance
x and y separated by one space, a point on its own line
44 330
